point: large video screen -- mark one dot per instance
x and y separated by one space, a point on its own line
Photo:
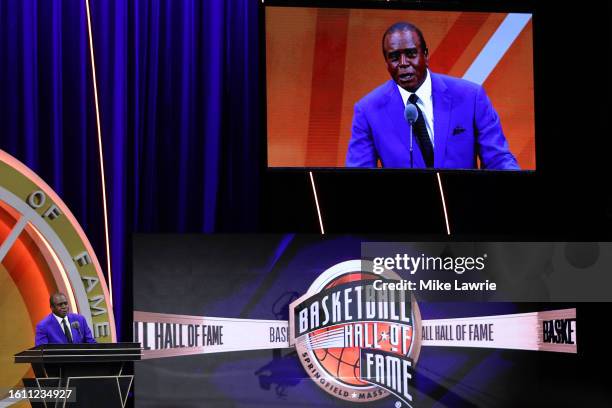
339 82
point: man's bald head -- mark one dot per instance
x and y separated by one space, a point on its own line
59 304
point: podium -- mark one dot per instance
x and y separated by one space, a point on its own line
94 371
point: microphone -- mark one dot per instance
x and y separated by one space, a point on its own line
77 326
411 114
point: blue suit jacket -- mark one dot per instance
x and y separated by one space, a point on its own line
48 330
465 126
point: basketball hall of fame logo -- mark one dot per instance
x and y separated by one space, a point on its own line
357 336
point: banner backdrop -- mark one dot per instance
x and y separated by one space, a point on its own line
239 320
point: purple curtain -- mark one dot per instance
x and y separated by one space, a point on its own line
178 96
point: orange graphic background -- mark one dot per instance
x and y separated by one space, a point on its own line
23 275
319 62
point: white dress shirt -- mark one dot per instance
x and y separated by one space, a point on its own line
59 320
425 103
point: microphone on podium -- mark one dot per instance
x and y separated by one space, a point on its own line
77 326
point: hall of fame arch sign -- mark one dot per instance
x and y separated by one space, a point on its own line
43 250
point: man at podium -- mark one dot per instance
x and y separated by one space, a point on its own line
61 326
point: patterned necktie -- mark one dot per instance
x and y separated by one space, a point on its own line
67 331
420 129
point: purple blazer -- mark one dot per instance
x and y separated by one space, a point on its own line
48 330
465 126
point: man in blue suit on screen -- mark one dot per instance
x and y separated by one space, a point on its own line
455 121
61 326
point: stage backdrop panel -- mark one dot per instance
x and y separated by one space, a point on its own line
258 276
